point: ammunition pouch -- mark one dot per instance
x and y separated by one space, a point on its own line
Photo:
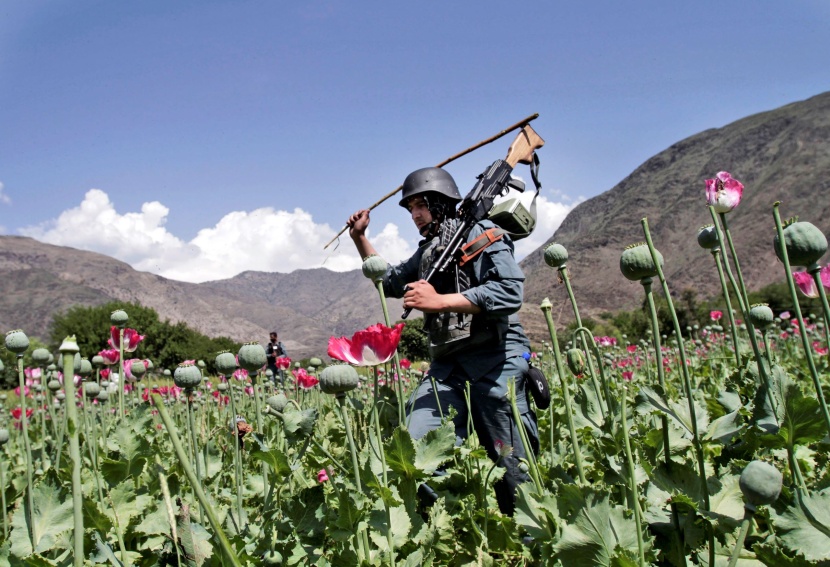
452 332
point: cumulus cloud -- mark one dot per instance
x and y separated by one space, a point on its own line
264 239
5 199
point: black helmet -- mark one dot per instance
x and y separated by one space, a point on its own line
430 180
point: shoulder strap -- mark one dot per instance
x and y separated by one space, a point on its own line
476 246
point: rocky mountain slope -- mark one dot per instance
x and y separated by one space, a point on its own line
781 155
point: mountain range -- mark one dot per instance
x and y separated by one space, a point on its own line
781 155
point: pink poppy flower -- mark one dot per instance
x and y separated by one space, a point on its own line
785 315
631 348
715 315
820 350
723 192
189 362
240 374
305 380
283 362
110 356
824 274
131 339
502 448
628 375
322 476
105 373
806 284
369 347
406 364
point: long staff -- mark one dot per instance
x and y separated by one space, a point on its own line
516 126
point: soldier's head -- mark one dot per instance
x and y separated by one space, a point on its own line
273 336
430 195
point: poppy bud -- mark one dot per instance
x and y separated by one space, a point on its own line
636 263
374 267
761 316
576 362
760 483
707 237
805 243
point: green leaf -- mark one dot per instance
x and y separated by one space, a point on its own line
156 522
588 411
124 504
536 514
649 400
195 540
435 448
275 459
398 525
400 455
805 529
599 535
723 429
51 516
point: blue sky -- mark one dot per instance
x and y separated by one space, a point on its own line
200 139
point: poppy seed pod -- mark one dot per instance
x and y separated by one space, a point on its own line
761 316
40 356
225 363
91 390
636 263
119 318
338 379
69 345
54 385
98 361
576 362
277 402
138 368
222 386
17 341
2 366
556 255
103 396
707 237
546 305
760 483
86 367
187 376
76 363
805 243
374 267
4 436
252 357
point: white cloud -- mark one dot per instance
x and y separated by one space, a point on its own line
264 239
5 199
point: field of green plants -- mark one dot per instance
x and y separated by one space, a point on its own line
701 445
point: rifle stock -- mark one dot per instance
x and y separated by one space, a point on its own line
522 148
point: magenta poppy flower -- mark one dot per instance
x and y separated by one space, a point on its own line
369 347
131 339
406 364
305 380
283 363
628 375
785 315
806 284
723 192
715 315
322 476
240 374
110 356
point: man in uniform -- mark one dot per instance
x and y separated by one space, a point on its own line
274 350
475 335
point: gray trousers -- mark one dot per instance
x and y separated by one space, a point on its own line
491 413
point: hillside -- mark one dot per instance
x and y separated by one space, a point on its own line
783 155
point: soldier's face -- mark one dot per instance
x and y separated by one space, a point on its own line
420 212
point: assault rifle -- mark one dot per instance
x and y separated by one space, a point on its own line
479 201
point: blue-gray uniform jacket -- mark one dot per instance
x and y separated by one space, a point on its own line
496 287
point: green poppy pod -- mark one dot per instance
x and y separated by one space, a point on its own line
374 267
761 316
86 368
187 376
805 243
297 364
119 318
760 483
54 385
103 395
556 255
4 436
76 363
222 386
200 363
17 341
149 364
315 362
252 357
576 362
40 356
138 369
338 379
636 263
91 390
225 363
51 368
69 345
167 373
277 402
60 396
546 305
98 361
272 557
105 383
707 237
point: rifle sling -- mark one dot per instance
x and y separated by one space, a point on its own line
475 247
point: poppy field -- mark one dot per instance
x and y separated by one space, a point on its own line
705 445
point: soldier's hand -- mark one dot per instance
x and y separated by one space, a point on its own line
358 223
422 296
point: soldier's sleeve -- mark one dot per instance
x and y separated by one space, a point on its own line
498 280
397 277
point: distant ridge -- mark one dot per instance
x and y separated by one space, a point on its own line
783 155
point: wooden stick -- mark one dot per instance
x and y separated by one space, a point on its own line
507 130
